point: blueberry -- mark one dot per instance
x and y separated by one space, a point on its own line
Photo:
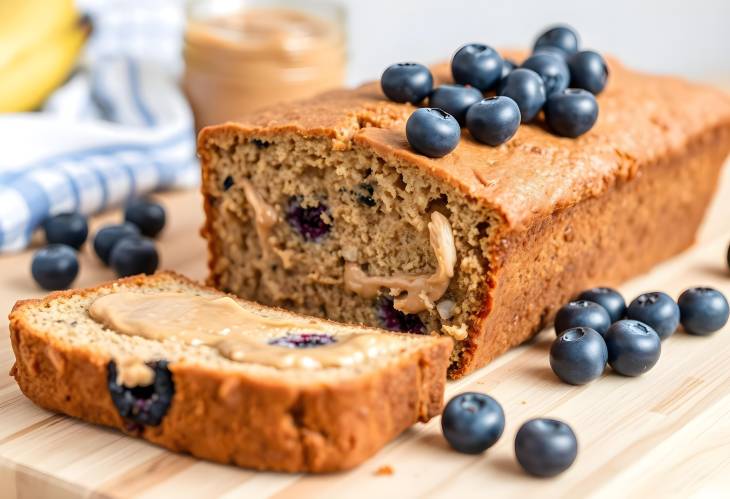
227 183
109 235
563 38
455 100
588 70
508 65
551 50
70 229
134 255
55 266
494 120
477 65
472 422
578 356
656 309
303 340
261 144
395 320
552 69
527 89
633 347
406 82
545 447
582 313
145 405
571 113
608 298
703 310
364 194
432 132
307 220
147 215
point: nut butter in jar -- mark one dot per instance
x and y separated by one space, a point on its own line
240 56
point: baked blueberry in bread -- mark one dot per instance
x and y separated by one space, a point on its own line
337 216
194 370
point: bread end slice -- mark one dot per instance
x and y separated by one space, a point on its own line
229 412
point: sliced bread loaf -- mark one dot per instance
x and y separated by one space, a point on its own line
275 407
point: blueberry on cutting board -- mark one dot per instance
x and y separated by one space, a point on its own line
657 310
633 347
109 235
134 255
545 447
703 310
148 216
55 267
472 422
578 356
582 313
608 298
70 229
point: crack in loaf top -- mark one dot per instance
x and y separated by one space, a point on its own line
642 118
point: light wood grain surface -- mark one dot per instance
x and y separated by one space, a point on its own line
662 435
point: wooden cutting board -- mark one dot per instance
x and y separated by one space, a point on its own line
664 434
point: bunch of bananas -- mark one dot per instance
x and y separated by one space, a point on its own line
39 43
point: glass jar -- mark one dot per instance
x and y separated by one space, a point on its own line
243 55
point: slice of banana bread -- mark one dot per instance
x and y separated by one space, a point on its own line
301 395
322 207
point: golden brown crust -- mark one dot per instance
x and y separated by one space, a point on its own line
236 418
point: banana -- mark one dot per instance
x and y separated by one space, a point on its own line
24 22
31 76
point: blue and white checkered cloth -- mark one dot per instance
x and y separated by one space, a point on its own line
119 127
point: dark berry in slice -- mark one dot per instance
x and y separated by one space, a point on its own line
571 113
472 422
477 65
432 132
395 320
55 266
407 82
552 69
303 340
134 255
227 183
608 298
364 193
527 89
582 313
633 347
110 235
147 215
455 100
312 222
703 310
144 405
578 356
656 309
588 70
563 38
494 120
545 447
70 229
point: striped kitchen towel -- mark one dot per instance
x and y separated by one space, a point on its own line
120 127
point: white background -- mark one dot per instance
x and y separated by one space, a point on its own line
691 38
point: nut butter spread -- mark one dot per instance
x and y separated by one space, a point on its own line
421 291
237 333
255 57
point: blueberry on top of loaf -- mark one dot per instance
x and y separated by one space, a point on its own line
533 221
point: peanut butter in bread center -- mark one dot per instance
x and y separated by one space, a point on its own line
237 333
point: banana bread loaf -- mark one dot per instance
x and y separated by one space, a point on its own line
193 370
322 207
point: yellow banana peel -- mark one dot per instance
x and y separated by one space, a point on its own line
38 70
23 23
